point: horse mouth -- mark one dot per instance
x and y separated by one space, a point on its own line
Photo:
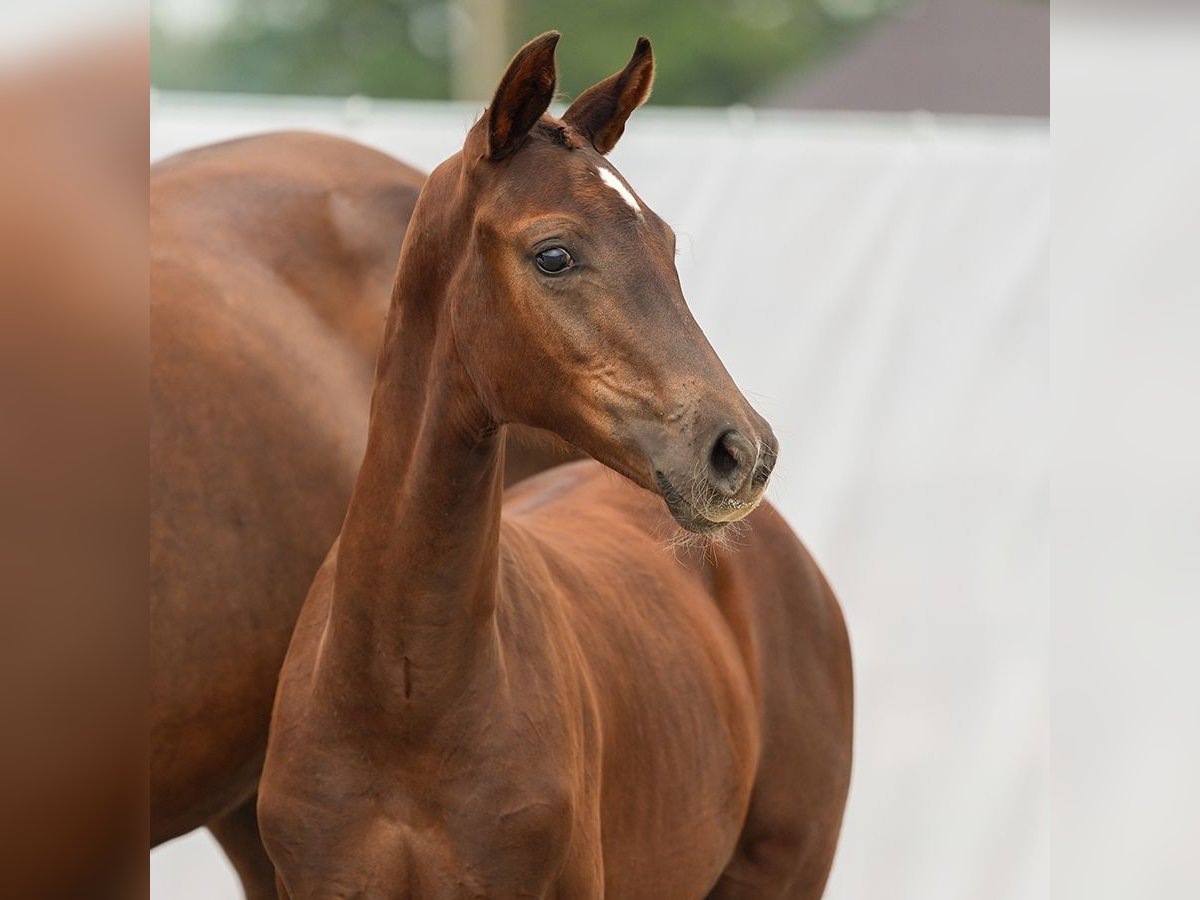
683 512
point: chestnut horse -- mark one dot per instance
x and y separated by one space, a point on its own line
270 262
528 695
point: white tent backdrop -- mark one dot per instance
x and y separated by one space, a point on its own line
878 287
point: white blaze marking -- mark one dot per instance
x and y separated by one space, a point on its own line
610 178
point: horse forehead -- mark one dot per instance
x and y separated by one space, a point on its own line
594 178
617 184
548 173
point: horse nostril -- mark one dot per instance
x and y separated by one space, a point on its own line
722 459
731 458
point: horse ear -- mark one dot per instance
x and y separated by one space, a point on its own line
524 94
600 112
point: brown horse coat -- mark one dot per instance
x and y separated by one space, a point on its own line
531 696
271 260
268 257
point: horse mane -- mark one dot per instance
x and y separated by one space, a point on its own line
559 132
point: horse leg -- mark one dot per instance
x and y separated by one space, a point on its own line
237 833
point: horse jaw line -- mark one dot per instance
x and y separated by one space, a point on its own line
610 178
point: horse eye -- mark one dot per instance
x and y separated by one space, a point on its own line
554 260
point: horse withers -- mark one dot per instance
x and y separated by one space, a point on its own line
529 695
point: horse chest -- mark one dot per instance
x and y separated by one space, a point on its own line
492 818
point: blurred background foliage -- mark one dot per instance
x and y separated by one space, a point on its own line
709 52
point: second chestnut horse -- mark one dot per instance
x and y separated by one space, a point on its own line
527 695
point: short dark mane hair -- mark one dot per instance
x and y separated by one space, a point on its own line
558 132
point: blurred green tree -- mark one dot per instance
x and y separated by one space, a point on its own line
709 52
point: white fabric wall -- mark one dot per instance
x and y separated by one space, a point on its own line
878 287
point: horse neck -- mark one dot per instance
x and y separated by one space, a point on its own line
417 560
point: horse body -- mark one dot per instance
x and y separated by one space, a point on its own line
663 695
528 695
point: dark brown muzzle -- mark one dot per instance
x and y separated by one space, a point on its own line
725 484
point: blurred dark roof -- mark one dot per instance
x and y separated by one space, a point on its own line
982 57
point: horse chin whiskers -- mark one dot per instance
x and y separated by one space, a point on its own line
702 517
682 543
